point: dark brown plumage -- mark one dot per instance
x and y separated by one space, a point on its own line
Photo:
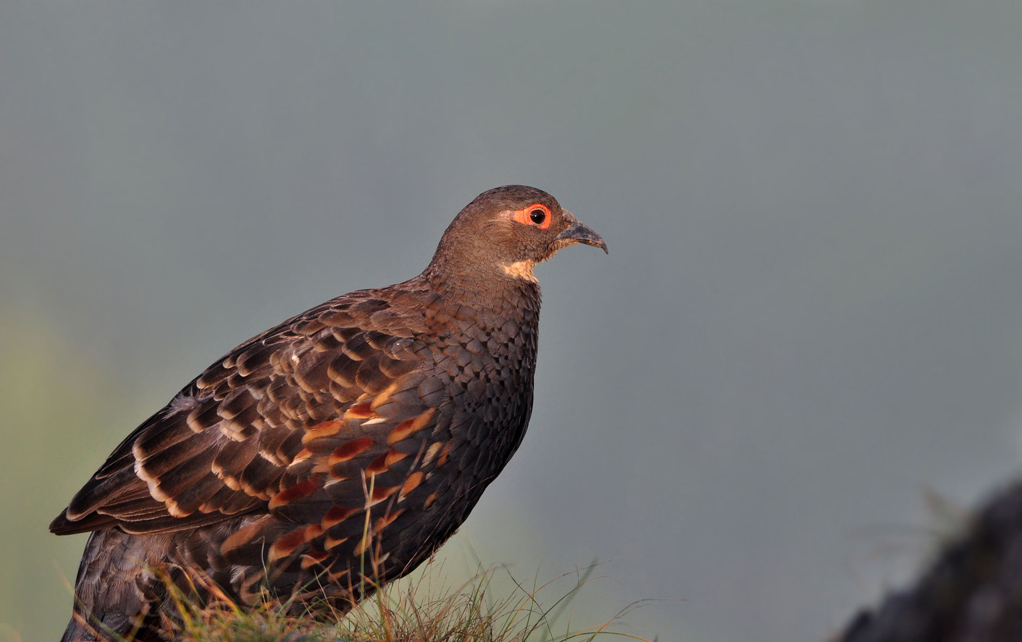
392 407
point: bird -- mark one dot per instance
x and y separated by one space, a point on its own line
334 452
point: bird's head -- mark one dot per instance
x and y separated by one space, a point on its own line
509 230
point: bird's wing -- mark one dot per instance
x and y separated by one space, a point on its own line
292 423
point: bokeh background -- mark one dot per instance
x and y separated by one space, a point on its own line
809 322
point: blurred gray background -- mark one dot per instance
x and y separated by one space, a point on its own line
810 318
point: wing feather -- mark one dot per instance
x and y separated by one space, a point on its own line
289 424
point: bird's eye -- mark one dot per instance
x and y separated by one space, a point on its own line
537 215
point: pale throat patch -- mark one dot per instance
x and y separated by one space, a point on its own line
520 270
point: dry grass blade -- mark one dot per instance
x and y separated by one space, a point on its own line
422 611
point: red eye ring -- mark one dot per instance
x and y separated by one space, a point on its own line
536 215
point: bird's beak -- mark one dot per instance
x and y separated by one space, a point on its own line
579 232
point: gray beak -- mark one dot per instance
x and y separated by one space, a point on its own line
581 233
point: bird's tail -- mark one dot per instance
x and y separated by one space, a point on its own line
111 600
81 630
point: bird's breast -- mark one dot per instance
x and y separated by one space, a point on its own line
488 360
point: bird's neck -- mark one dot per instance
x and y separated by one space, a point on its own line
512 293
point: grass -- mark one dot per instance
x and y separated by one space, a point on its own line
428 609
